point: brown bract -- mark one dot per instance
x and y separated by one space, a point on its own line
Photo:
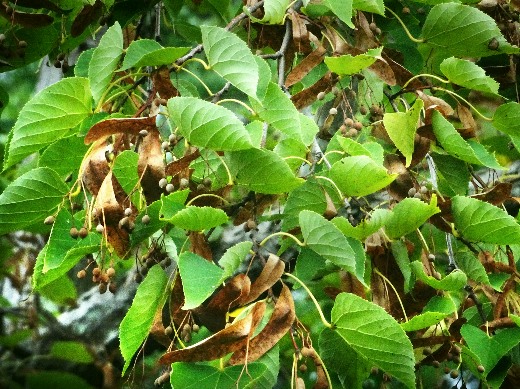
150 166
30 20
131 126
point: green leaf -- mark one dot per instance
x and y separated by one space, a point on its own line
230 57
194 218
147 52
142 231
373 6
485 157
309 196
408 215
322 237
468 75
104 60
462 30
83 247
137 322
59 242
423 320
125 170
47 117
60 291
233 257
490 349
349 64
452 175
274 12
30 199
371 149
456 280
375 335
472 266
366 227
55 379
401 128
71 351
208 125
172 204
478 221
262 171
289 148
200 278
507 120
351 175
73 147
81 67
342 9
400 253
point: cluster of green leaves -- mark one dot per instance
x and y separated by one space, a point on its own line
374 203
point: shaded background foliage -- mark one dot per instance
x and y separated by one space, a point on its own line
348 80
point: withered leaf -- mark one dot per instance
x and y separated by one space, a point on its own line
176 167
496 195
116 126
107 205
271 273
200 246
253 208
177 314
279 323
307 96
402 75
468 122
94 167
213 314
431 102
384 71
300 34
157 330
305 66
87 15
230 339
37 4
365 39
119 239
30 20
163 84
150 165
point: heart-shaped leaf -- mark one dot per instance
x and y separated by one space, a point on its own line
194 218
456 280
352 64
147 52
274 12
408 215
375 335
208 125
468 75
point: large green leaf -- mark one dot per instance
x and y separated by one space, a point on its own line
172 204
375 335
104 60
309 196
30 199
230 57
194 218
59 241
373 6
323 237
233 257
360 175
465 73
274 12
366 227
208 125
456 280
262 171
200 278
372 149
452 175
408 215
401 128
400 253
147 52
478 221
125 170
462 30
47 117
349 64
342 9
472 266
490 349
137 322
507 120
423 320
73 147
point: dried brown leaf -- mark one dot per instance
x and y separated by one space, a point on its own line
309 95
30 20
305 66
271 273
87 15
468 122
213 314
279 323
432 102
496 195
150 165
300 34
180 165
383 71
402 75
253 208
177 314
365 39
157 330
163 83
230 339
119 126
94 167
37 4
107 205
200 246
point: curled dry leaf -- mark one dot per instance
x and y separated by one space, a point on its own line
254 207
279 323
200 246
177 314
305 66
150 165
365 39
107 205
432 102
496 195
401 74
121 125
180 165
95 167
163 83
230 339
213 313
24 19
468 122
157 330
300 34
384 71
87 15
309 95
271 273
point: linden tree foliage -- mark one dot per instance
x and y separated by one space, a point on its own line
361 154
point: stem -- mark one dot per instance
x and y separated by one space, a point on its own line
333 184
298 242
198 79
423 241
112 84
425 75
238 102
323 320
457 96
393 288
412 38
206 195
298 158
201 61
230 177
